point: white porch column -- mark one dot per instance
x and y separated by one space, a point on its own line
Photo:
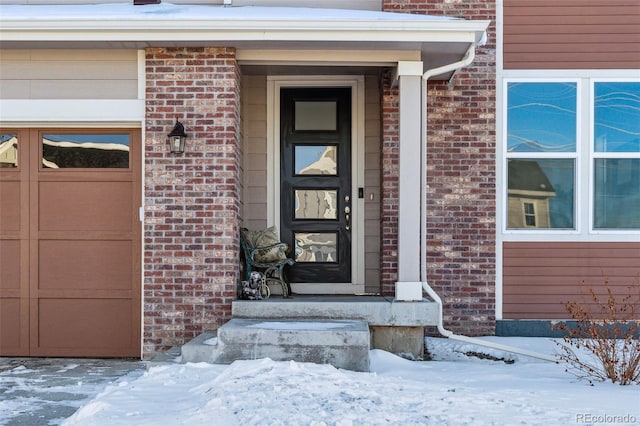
409 75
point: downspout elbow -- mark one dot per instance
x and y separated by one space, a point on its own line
468 57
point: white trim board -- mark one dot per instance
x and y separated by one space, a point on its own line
274 84
72 110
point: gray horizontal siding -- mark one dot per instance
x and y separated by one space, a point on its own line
69 74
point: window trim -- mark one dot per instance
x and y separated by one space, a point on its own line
594 155
505 155
584 156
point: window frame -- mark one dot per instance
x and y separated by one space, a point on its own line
584 157
84 132
594 155
506 155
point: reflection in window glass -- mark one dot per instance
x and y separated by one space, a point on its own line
529 214
316 204
617 117
91 151
315 160
541 193
8 150
617 194
541 117
316 115
316 247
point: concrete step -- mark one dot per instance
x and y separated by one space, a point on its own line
375 310
343 344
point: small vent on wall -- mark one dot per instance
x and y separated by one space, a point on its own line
141 2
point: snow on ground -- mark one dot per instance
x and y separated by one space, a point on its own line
45 391
453 389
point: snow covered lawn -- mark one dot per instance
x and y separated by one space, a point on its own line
453 389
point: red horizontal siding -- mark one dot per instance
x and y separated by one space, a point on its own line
571 34
539 278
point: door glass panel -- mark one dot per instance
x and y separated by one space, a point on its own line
320 247
315 160
87 151
8 150
318 115
316 204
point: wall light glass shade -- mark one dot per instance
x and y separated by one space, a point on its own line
177 138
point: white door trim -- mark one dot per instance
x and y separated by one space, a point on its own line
274 84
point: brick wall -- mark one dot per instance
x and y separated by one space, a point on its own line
390 186
191 199
461 177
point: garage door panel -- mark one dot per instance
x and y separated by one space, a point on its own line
10 207
10 266
14 247
85 206
70 243
14 329
85 327
85 265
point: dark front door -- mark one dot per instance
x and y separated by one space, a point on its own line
316 209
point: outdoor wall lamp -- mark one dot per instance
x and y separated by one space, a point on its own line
177 138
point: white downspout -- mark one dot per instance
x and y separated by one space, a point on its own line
466 60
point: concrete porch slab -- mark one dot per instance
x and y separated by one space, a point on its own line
375 310
343 344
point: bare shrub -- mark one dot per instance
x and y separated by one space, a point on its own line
603 344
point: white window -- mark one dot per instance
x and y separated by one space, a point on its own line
615 122
541 149
571 146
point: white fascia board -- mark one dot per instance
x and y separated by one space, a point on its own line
100 32
72 110
314 25
229 31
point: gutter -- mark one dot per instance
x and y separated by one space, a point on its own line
466 60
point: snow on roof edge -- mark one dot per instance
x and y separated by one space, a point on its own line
170 11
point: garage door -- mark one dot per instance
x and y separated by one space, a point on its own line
70 242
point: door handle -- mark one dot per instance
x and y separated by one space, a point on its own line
347 214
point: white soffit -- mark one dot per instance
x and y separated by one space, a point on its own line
123 25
